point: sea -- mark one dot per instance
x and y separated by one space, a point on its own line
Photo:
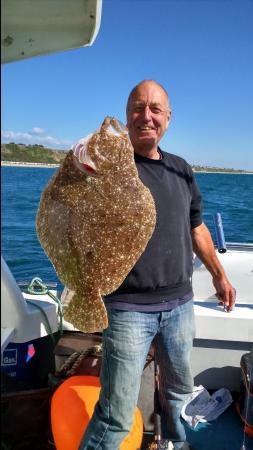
229 194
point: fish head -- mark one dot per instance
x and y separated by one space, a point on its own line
106 148
109 146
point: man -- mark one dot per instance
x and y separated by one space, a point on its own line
155 300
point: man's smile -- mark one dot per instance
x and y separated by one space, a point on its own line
146 128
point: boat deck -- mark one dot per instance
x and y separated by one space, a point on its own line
224 433
220 342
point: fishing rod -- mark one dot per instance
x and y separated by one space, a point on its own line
248 381
159 443
157 408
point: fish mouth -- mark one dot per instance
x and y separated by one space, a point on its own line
89 169
85 168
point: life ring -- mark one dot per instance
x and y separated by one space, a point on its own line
72 406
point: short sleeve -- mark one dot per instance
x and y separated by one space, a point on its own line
196 207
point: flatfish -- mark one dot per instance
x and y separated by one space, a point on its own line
94 220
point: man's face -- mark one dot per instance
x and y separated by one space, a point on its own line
147 116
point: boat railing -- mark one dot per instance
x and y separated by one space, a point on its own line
242 246
221 245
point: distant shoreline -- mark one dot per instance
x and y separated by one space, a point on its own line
48 166
235 172
24 164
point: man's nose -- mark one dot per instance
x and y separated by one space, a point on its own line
147 113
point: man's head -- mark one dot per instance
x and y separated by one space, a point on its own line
148 114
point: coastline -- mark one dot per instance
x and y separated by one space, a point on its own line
48 166
27 164
225 172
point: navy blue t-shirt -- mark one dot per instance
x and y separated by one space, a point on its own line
162 275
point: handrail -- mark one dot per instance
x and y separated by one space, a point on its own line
239 246
220 238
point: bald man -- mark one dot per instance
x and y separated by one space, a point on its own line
155 301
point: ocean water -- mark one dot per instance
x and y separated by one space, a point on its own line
229 194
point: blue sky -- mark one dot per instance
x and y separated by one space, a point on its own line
201 51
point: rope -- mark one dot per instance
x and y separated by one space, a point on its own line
74 360
37 287
70 366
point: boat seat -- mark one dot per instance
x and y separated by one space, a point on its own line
21 320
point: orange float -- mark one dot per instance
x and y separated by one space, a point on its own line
72 407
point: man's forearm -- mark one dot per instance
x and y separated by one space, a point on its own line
204 248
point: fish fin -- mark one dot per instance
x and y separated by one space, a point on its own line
87 312
66 296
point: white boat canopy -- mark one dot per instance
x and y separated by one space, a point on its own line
37 27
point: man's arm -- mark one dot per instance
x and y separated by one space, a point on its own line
204 248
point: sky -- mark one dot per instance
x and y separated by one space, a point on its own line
201 51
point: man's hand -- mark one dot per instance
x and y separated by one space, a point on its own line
225 292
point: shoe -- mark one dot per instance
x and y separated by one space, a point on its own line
168 445
186 446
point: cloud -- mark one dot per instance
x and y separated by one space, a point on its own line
37 130
36 136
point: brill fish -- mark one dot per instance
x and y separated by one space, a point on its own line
94 221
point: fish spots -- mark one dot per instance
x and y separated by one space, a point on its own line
94 229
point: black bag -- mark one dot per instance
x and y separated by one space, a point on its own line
26 407
245 402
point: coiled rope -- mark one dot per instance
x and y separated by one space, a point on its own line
71 365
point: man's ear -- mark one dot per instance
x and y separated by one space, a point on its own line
168 117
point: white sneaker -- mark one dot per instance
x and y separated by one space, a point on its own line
186 446
170 446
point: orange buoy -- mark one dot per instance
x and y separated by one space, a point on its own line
72 407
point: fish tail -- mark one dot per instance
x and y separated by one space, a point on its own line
86 312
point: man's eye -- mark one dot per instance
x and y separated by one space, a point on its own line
139 108
153 109
156 110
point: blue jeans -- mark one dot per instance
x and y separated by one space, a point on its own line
126 343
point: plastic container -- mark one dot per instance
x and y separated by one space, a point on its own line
26 365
